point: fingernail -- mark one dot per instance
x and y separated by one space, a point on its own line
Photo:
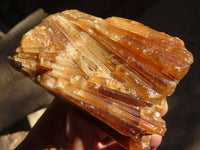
154 148
155 141
78 144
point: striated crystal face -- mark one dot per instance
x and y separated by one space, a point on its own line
116 69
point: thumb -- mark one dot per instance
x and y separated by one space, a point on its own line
79 132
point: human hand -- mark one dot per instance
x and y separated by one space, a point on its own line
60 129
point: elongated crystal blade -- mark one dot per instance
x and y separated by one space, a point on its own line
117 70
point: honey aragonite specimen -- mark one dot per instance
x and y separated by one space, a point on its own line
116 69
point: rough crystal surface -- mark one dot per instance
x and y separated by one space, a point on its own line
116 69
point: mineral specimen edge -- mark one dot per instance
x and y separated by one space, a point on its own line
116 69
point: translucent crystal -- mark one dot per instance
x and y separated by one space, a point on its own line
116 69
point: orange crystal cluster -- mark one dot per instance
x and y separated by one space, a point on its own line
116 69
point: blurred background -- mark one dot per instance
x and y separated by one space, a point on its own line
180 18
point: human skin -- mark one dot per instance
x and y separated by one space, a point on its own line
62 129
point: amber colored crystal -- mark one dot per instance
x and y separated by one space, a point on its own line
116 69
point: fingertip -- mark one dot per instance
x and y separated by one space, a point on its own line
155 141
